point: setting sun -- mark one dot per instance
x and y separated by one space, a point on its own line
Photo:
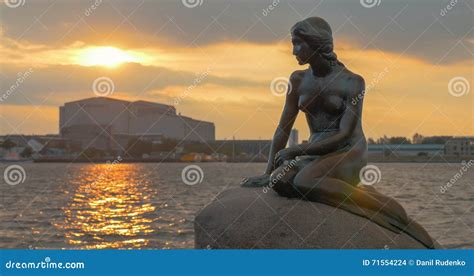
105 56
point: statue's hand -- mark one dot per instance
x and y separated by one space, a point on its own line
285 154
256 181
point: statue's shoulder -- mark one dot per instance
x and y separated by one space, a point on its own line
351 76
355 80
297 75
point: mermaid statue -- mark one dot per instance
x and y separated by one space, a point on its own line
327 168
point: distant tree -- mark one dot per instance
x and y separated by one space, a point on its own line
8 144
27 152
417 138
92 153
136 148
371 141
165 145
436 139
383 140
198 147
398 140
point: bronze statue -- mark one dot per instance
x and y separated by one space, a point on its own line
326 168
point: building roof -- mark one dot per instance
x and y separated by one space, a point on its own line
406 147
150 104
194 120
136 103
95 99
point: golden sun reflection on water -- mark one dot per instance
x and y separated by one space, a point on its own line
111 208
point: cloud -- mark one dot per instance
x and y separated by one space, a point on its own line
55 84
418 29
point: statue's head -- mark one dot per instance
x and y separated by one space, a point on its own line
312 37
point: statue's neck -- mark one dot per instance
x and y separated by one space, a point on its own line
320 66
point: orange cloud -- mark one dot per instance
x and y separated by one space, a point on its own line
404 95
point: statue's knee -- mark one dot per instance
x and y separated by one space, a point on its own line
273 177
283 174
281 188
281 182
305 183
302 180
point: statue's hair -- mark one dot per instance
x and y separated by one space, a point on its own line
317 33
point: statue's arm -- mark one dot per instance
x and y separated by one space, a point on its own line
348 123
287 119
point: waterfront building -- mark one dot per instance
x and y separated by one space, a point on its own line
460 146
109 124
249 147
400 150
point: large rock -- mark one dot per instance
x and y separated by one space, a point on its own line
251 218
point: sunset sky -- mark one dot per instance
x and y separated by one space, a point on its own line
215 60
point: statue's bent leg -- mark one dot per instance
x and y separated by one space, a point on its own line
337 193
386 212
281 179
318 180
328 178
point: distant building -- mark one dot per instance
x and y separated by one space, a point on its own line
293 140
23 140
250 147
460 146
109 124
12 154
38 145
406 149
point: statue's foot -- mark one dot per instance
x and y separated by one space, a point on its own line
256 181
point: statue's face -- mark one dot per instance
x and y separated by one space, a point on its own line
301 50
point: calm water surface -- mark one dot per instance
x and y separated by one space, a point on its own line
149 206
